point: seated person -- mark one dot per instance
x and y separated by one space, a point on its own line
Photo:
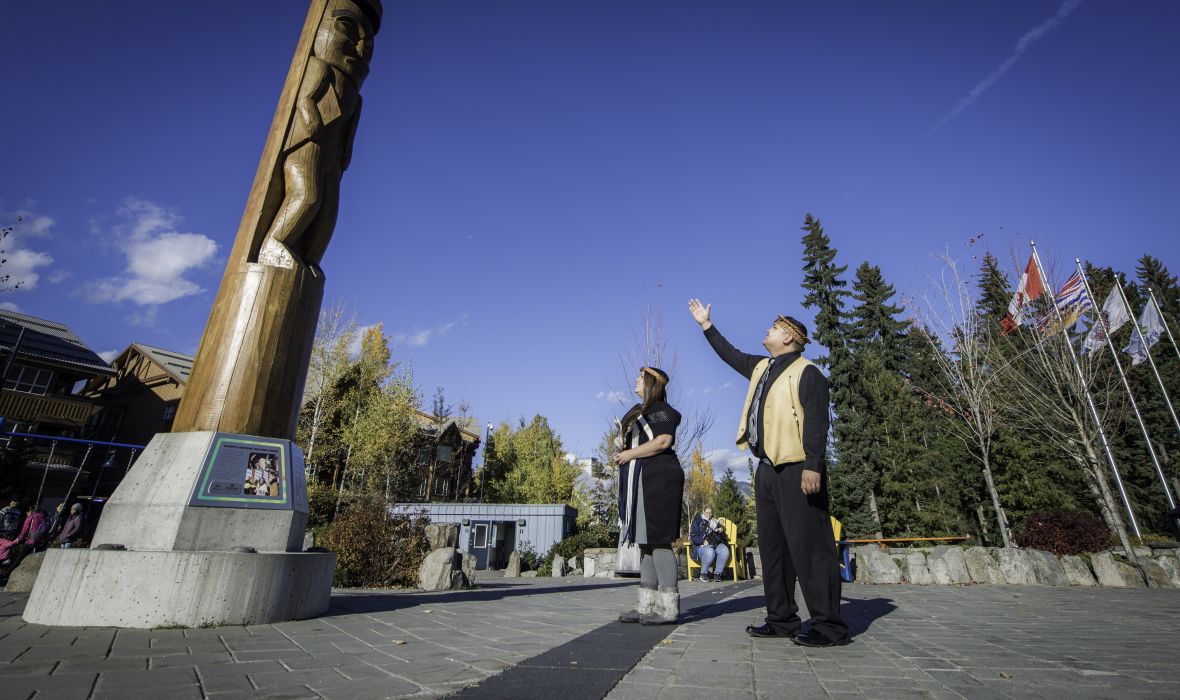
709 546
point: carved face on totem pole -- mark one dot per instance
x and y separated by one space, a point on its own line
344 40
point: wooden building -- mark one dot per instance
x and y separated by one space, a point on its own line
140 400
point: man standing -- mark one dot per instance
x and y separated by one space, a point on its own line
784 424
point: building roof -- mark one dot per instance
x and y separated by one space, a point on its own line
468 427
50 342
179 365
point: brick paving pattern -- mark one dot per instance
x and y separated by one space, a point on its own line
911 641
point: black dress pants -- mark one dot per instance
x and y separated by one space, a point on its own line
795 542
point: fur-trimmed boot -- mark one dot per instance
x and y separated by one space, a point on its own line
666 610
647 600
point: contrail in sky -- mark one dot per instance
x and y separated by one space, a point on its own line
1030 37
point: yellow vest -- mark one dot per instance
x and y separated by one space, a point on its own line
782 414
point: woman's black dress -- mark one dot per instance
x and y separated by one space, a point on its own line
651 489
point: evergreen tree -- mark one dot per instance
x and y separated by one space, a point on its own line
1152 273
825 289
729 503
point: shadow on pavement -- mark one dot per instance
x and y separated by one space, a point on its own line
860 614
352 603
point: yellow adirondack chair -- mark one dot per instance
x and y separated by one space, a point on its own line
737 555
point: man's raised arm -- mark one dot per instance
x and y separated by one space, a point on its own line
740 361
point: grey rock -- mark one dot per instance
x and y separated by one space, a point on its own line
915 570
860 556
558 565
466 562
1046 568
1113 573
529 574
879 567
591 566
512 570
576 572
1157 576
435 572
1171 565
1077 572
442 535
23 577
1015 566
981 566
308 540
947 565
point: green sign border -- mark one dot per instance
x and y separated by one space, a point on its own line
201 498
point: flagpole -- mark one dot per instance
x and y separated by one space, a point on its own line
1118 479
1147 350
1159 309
1118 283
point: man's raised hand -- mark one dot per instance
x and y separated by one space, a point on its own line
700 313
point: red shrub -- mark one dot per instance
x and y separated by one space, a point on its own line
1064 532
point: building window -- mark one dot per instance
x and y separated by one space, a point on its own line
422 489
481 536
444 454
28 380
424 455
10 428
442 486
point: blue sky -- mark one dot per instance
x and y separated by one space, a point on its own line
528 176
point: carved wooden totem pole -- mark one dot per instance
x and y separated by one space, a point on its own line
188 539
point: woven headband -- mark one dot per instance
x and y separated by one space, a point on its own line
659 377
793 328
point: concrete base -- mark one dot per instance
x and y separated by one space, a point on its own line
108 588
150 510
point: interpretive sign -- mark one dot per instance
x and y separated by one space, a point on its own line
243 471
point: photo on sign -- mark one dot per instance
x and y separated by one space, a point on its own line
262 475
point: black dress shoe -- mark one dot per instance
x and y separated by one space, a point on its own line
811 639
767 630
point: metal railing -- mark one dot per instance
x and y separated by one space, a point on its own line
63 451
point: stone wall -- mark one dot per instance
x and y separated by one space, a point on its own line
947 565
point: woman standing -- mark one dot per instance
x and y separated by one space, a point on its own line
651 486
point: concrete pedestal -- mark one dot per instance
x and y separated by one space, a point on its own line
107 588
179 566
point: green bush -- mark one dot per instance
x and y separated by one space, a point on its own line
375 549
321 504
529 559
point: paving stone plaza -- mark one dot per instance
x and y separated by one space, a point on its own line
556 637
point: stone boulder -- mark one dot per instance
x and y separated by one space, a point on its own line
590 567
981 566
512 570
23 577
877 567
576 572
435 572
1157 576
1115 574
1077 572
558 565
442 535
529 574
914 569
1015 566
1046 568
1172 566
947 565
860 567
446 569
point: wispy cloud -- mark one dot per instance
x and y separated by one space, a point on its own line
21 262
730 459
108 355
1022 44
11 306
158 258
611 396
421 336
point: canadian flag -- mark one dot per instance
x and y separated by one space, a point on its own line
1030 287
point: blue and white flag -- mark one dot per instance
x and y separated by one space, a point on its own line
1071 301
1114 313
1150 328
